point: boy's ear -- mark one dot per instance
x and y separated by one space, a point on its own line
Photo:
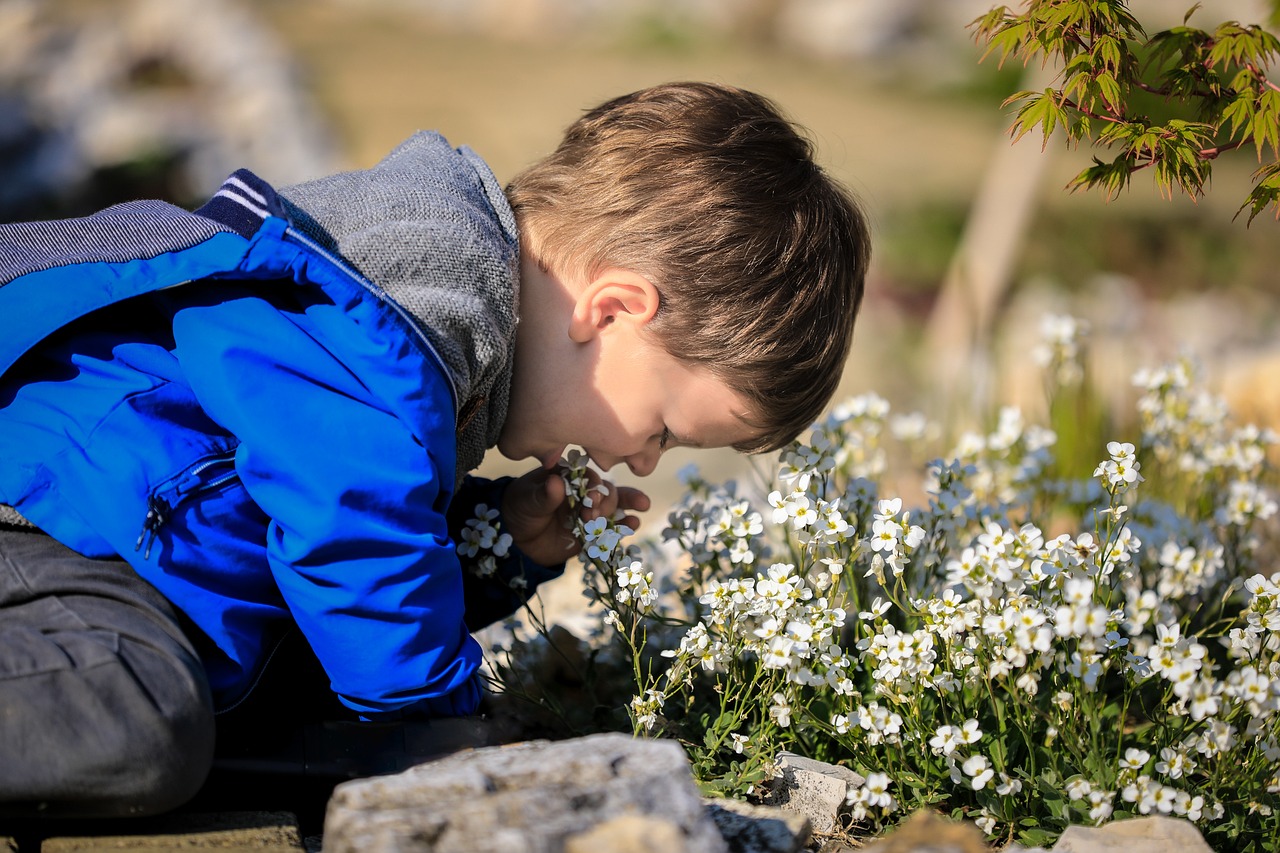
614 296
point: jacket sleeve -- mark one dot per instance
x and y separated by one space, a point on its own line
358 540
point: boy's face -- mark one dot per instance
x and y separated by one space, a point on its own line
589 372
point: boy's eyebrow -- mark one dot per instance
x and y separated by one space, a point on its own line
680 440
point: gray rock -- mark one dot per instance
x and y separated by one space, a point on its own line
812 788
1137 835
536 796
748 828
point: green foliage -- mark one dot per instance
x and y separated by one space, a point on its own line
1216 82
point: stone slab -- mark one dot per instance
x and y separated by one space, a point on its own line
1157 834
259 832
532 797
812 788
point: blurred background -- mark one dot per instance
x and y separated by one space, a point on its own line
105 100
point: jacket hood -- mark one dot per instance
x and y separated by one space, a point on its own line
431 227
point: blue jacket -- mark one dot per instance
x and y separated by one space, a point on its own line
257 428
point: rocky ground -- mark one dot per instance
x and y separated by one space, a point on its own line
607 793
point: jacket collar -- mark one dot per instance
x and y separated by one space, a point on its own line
430 227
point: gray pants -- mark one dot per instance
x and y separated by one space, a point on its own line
104 706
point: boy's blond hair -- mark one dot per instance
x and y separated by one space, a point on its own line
706 190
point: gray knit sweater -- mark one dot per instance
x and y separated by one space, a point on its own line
431 227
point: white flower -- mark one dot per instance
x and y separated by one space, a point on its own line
944 741
631 574
878 608
1100 803
979 771
740 742
778 656
646 708
1121 469
1163 798
1078 591
885 534
470 538
1134 759
877 790
1008 786
780 710
1174 763
1078 788
1029 683
1191 807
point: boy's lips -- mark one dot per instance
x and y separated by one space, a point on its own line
552 459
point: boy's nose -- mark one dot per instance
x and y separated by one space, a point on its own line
643 463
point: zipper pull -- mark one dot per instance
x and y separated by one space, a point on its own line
157 514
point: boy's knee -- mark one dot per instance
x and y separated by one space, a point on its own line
167 768
150 747
113 757
167 751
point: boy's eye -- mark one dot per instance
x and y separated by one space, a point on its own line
664 439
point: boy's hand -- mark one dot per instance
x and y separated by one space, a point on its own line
537 514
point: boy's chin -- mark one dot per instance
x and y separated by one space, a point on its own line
548 459
510 451
551 459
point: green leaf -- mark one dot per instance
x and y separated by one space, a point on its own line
1239 115
1037 837
1239 45
1107 49
1110 91
1112 177
998 752
1040 110
1266 192
1266 123
1002 32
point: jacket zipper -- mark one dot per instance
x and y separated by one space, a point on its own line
164 500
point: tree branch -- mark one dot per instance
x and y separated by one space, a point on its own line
1067 102
1212 153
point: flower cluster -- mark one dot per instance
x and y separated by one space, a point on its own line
1030 652
483 541
1061 347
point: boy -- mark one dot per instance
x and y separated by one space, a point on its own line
215 426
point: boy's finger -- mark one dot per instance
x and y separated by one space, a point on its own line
553 491
629 498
